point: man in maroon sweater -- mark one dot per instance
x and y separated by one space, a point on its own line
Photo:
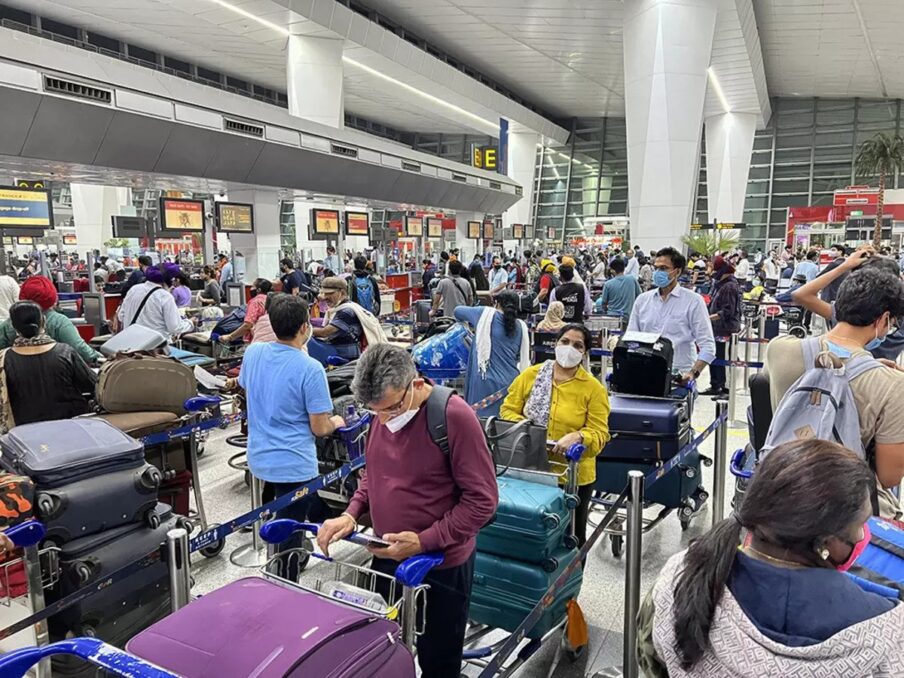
419 498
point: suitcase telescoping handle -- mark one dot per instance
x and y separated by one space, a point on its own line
26 534
736 466
16 664
410 572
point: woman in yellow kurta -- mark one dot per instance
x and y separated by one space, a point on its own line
573 405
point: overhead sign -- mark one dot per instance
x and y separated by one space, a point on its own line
414 226
528 231
25 183
324 224
855 195
489 230
25 207
183 215
518 231
474 230
485 157
70 240
235 217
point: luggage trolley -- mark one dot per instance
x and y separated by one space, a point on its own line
516 566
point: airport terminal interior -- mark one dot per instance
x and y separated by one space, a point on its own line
441 338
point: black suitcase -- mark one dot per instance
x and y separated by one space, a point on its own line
642 368
90 559
100 503
55 453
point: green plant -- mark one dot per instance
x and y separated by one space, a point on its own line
709 242
116 242
881 155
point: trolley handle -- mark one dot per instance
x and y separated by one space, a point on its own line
26 534
736 466
200 402
410 572
16 664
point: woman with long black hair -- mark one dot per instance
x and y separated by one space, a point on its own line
500 350
780 604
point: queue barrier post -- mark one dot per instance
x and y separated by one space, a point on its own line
178 558
253 554
732 375
634 542
747 343
32 559
762 333
720 462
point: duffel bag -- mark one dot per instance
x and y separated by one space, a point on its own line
142 383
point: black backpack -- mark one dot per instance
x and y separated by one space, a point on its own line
436 416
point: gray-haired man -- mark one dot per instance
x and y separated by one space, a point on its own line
427 498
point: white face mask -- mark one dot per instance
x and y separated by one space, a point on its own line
396 424
568 356
308 334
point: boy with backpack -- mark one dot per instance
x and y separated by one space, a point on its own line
831 388
363 288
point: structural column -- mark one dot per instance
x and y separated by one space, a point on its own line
667 47
314 79
92 209
261 249
729 145
521 166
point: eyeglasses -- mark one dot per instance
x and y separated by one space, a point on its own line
392 409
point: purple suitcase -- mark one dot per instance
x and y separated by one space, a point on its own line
257 627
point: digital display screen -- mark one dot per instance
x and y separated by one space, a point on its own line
25 208
414 227
130 227
70 240
25 240
324 224
235 217
517 231
528 231
356 223
178 214
434 228
474 230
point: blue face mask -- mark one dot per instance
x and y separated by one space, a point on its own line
875 343
661 279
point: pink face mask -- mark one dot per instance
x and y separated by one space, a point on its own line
857 549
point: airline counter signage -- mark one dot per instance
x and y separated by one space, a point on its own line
25 208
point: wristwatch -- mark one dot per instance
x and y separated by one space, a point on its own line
696 373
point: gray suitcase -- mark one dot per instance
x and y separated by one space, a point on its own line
134 338
100 503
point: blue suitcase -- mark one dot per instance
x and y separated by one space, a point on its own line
880 567
531 523
505 591
646 433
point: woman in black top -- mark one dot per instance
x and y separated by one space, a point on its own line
40 379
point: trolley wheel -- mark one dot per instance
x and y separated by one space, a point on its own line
685 523
570 541
617 542
213 550
798 331
247 478
199 451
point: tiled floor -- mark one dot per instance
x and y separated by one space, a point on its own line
602 595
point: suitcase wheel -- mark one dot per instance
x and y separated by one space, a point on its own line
152 519
185 524
84 572
689 471
151 478
571 502
213 550
47 505
551 521
550 564
617 542
570 542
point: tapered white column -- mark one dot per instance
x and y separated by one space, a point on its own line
314 79
667 47
729 145
521 165
261 249
93 207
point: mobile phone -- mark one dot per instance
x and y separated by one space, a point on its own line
367 540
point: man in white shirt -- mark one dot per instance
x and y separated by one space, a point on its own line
150 304
599 271
677 314
331 261
632 266
742 270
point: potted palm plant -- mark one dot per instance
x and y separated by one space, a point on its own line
881 155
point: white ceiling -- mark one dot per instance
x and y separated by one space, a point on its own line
833 48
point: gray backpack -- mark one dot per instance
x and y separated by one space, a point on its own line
820 404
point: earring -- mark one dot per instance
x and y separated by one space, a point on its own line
824 554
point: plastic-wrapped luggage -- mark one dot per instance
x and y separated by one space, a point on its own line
444 355
275 632
647 432
531 523
642 368
506 590
90 559
88 475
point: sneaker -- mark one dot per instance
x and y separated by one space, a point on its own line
712 391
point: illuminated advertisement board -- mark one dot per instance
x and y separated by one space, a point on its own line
235 217
181 215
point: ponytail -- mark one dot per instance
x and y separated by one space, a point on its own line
700 586
510 303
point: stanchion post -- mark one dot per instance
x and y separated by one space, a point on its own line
732 375
720 463
604 362
252 555
762 333
633 540
747 343
178 558
32 559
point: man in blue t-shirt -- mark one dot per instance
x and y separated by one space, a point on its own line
343 332
619 292
288 405
293 281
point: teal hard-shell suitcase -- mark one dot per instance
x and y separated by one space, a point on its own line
506 590
532 522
